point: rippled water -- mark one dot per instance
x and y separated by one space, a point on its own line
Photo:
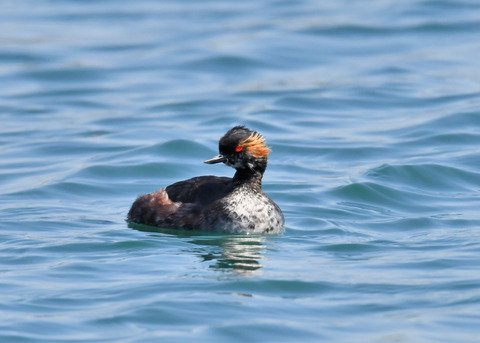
372 112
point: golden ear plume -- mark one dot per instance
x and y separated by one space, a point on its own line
255 145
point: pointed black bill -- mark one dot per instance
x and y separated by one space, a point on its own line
216 159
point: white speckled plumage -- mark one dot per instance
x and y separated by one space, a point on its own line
248 211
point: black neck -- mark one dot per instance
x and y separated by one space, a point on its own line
246 175
252 173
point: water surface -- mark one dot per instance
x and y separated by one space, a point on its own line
372 112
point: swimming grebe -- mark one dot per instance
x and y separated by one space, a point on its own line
209 203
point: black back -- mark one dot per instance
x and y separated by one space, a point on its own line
201 189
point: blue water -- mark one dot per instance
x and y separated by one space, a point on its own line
372 110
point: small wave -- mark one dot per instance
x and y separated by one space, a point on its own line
431 177
383 197
219 64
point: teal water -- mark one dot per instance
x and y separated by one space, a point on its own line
373 114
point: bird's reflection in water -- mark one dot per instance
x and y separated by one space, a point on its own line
239 253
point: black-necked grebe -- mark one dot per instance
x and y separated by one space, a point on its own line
209 203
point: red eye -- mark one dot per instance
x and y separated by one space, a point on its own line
238 148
